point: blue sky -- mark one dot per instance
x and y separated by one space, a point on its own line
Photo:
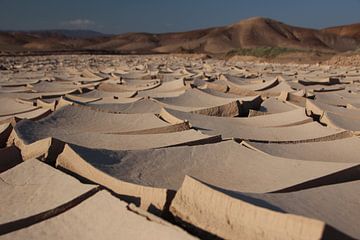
111 16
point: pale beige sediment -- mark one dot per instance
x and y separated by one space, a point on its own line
229 218
339 150
246 129
165 168
33 190
101 216
147 196
341 122
41 149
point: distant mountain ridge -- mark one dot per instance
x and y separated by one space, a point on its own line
76 33
249 33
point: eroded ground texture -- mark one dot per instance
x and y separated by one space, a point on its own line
177 147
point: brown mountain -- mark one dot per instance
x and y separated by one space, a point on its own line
249 33
352 30
46 41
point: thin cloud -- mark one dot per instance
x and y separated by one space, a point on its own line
78 23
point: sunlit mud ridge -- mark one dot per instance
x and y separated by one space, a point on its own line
177 147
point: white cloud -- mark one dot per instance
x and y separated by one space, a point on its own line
78 23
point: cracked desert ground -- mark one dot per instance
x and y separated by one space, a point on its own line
177 147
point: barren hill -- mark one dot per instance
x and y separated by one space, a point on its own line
249 33
352 30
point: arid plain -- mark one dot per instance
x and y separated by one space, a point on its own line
178 146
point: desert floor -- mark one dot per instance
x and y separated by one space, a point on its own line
178 147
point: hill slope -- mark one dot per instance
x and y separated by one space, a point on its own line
352 30
249 33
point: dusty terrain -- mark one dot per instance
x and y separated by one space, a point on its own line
179 147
